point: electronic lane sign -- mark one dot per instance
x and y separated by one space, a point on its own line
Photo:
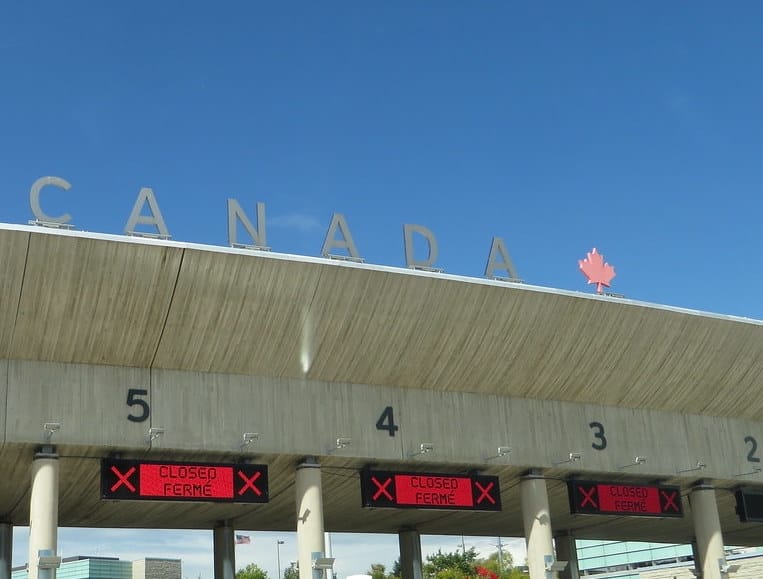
749 506
429 491
593 498
183 481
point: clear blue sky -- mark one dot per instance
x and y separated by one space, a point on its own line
559 126
634 127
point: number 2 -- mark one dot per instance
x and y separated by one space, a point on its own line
387 421
753 449
598 434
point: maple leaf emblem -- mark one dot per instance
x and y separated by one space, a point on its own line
595 270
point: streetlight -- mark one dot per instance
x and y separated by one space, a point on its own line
279 542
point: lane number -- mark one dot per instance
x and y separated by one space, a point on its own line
133 399
387 421
598 434
753 449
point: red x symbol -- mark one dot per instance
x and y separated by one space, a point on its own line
249 483
122 479
670 501
588 497
382 488
485 492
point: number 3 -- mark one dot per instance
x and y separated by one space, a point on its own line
598 433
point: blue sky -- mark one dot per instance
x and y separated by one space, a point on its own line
559 126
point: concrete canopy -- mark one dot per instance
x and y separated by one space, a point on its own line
76 298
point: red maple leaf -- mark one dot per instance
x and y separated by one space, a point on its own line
595 270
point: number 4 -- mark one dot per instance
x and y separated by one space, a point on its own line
387 421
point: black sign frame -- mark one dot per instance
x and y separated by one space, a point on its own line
581 503
749 505
120 481
377 490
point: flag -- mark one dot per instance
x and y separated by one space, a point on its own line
243 540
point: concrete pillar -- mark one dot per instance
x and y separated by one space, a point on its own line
6 550
707 531
310 539
43 511
567 551
695 554
537 522
224 546
410 554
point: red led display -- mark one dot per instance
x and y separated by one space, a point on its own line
170 481
430 491
623 499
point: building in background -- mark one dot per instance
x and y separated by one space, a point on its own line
156 569
82 567
623 559
638 560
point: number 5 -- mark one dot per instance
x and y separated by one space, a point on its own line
133 400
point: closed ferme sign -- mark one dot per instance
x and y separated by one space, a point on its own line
184 481
430 491
749 506
624 499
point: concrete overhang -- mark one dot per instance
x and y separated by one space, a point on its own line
79 298
98 299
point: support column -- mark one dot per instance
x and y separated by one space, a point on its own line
43 511
410 554
6 550
707 531
695 554
537 522
566 550
224 546
310 538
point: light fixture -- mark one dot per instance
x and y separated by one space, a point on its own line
153 433
502 451
342 442
248 438
322 563
279 542
699 466
48 561
638 460
48 428
573 457
726 567
553 566
424 448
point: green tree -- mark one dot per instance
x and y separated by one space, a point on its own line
500 566
291 572
377 571
251 571
396 571
451 565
